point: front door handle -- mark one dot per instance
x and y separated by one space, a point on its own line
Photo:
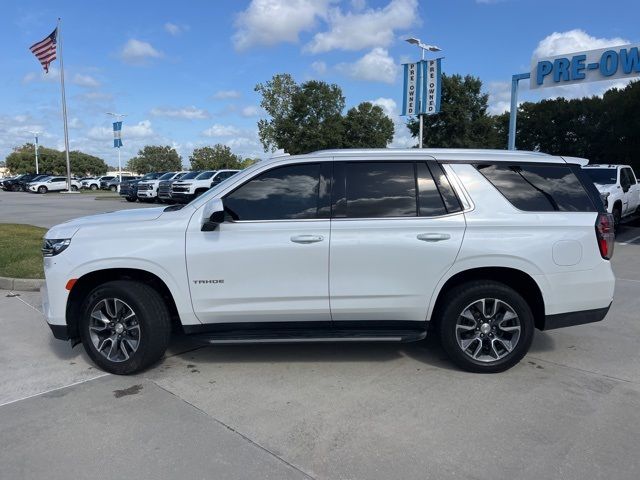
307 238
433 237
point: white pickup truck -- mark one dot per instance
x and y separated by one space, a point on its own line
185 190
619 188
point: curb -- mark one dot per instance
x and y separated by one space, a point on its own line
21 284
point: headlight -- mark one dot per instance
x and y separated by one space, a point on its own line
52 247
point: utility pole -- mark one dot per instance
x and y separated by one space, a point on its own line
117 141
35 134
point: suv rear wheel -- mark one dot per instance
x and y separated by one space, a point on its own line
486 326
93 186
124 326
42 189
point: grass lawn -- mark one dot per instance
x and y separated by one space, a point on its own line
20 255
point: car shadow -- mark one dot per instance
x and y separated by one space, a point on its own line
427 352
542 342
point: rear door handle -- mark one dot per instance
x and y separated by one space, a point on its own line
307 238
433 237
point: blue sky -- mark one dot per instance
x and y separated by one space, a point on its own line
184 72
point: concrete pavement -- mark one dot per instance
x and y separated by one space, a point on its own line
569 410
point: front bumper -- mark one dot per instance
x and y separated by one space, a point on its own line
146 194
181 196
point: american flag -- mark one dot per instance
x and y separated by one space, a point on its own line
45 50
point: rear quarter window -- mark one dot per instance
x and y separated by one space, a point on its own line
539 188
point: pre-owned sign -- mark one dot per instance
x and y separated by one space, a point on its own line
589 66
422 87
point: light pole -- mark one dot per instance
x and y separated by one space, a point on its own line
118 117
35 134
423 47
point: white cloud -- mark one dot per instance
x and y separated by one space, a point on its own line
218 130
402 137
138 52
268 22
187 113
319 67
573 41
85 81
250 111
226 94
375 66
174 29
140 131
371 28
52 76
499 97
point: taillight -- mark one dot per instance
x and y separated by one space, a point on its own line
605 234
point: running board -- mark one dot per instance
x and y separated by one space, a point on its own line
309 336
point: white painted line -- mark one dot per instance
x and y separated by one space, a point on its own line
628 280
17 295
54 389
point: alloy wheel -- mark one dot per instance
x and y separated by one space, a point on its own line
488 330
114 329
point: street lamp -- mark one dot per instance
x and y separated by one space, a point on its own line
423 48
118 117
35 135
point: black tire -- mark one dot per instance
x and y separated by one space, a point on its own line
16 188
131 199
93 186
617 216
152 317
74 188
42 189
456 301
113 188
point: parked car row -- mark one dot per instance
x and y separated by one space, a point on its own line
35 183
172 187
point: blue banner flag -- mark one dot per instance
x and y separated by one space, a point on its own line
422 88
117 139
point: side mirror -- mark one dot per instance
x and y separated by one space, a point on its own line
213 215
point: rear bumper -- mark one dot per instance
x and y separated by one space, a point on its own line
61 332
569 319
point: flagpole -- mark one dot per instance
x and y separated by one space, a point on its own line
64 107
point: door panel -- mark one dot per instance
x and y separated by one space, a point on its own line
381 269
254 272
386 268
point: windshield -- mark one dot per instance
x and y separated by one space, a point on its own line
191 175
167 176
215 188
205 175
603 176
151 176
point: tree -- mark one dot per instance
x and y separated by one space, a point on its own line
366 126
214 158
155 158
463 121
22 160
304 117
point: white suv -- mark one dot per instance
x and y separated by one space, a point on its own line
52 184
345 245
187 189
619 187
148 188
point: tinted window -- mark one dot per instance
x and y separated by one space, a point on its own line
167 176
205 175
289 192
190 175
628 176
58 179
378 189
539 188
446 190
429 200
602 176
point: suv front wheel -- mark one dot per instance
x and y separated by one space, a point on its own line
124 326
486 326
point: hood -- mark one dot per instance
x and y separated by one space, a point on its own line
68 229
605 188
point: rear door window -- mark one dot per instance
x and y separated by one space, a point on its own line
539 188
375 190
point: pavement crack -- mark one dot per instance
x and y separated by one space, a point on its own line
228 427
604 375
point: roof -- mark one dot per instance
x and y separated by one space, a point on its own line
599 165
444 154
